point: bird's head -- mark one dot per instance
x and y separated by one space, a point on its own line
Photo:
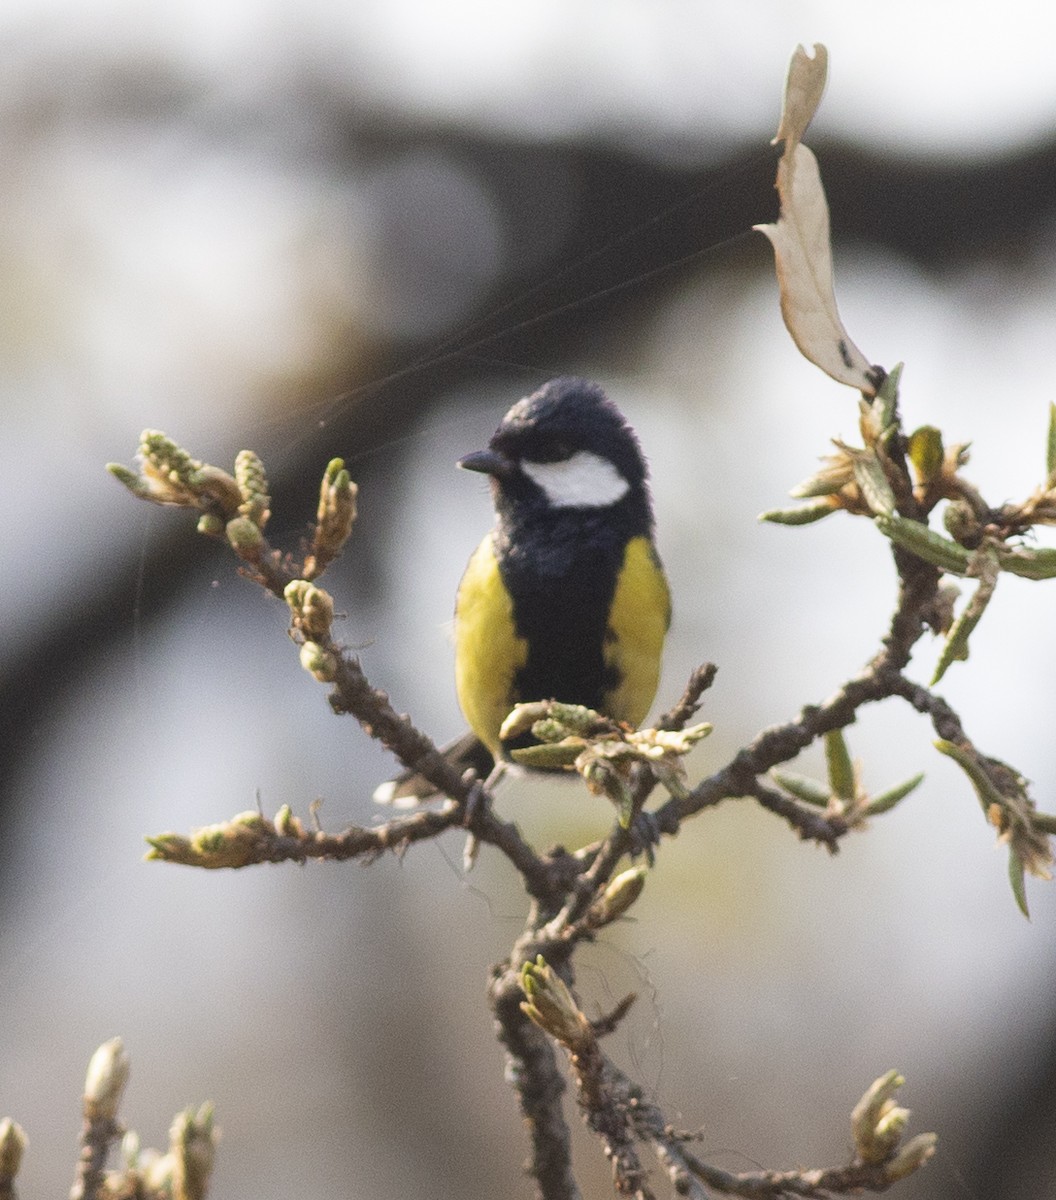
565 447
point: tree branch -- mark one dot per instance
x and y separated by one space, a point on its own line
688 705
809 823
103 1089
566 889
617 1110
532 1070
918 585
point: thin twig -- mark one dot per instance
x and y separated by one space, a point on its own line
609 1022
809 823
945 722
352 693
688 704
881 678
607 1099
775 1185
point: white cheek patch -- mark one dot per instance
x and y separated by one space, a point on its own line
584 480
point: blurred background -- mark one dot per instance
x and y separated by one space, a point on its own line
364 230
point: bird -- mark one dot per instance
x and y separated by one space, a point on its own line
565 598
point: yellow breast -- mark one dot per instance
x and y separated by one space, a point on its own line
638 621
489 651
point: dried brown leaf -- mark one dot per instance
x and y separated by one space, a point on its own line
800 236
804 86
804 273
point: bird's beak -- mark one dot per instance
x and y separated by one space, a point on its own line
487 462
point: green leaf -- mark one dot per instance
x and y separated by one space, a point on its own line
873 484
1017 878
887 398
807 790
1050 447
887 800
925 543
549 757
1045 822
805 514
129 478
956 647
1039 563
842 782
984 788
836 473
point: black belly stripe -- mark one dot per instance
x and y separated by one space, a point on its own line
562 580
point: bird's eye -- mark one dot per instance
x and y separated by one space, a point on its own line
550 450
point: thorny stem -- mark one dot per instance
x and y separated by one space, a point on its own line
607 1100
617 1110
